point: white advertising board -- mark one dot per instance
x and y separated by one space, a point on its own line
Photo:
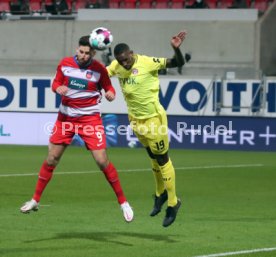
179 96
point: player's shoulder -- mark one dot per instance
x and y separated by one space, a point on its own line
114 65
148 59
97 64
67 60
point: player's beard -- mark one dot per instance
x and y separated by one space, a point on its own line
83 63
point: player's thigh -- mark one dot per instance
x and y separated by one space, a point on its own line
62 133
93 135
153 133
137 127
142 139
159 144
158 140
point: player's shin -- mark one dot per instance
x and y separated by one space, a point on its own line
44 176
159 184
112 177
168 175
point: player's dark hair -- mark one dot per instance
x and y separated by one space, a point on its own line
84 41
120 48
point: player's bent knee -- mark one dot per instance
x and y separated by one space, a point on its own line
52 160
102 163
151 155
162 159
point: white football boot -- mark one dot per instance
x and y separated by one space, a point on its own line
127 212
29 206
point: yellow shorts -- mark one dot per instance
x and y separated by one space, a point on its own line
152 132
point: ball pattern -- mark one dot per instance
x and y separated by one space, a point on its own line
100 38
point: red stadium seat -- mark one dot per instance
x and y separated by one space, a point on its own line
114 3
48 2
5 6
261 5
128 4
225 3
212 3
69 7
35 5
248 2
189 2
161 4
145 4
177 4
79 4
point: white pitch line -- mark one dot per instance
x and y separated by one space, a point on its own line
134 170
239 252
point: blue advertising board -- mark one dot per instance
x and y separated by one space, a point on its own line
186 132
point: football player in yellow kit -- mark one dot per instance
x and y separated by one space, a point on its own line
138 78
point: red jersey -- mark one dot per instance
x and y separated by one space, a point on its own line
84 86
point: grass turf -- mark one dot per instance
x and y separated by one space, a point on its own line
228 205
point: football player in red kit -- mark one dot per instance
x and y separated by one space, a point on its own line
79 80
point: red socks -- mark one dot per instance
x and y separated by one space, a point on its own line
112 177
45 175
110 172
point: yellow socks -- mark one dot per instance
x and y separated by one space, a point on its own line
168 175
159 184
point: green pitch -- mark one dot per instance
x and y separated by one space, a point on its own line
228 206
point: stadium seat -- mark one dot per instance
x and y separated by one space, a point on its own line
261 5
78 4
248 2
5 6
67 9
35 5
114 3
144 4
160 4
177 4
128 4
225 3
189 2
48 2
212 3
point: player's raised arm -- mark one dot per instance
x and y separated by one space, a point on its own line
178 59
177 40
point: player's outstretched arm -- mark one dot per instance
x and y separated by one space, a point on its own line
177 39
178 59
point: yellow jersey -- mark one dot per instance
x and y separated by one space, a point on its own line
140 85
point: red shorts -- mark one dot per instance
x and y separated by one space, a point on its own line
89 128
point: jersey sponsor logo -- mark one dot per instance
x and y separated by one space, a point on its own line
81 74
134 71
129 81
78 84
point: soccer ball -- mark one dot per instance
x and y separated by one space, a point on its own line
100 38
